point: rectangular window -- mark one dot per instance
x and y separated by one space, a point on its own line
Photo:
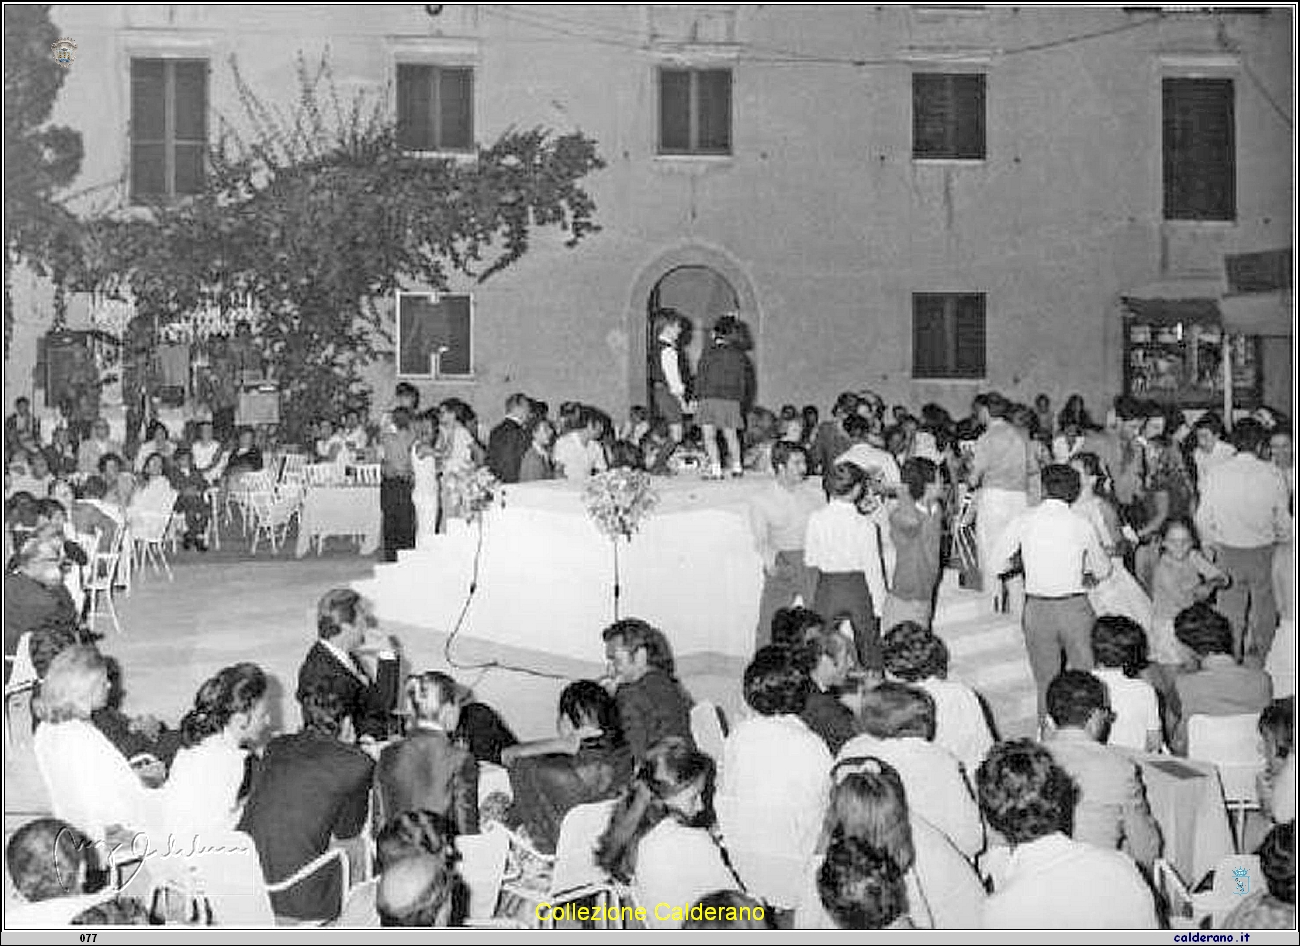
435 108
434 335
948 115
948 335
169 127
694 111
1200 151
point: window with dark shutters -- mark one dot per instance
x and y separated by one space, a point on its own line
435 108
694 111
1200 155
948 115
169 127
948 335
428 323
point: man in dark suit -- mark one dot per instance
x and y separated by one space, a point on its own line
307 788
510 439
366 675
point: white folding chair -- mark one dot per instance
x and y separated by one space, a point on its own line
21 685
367 474
214 524
709 729
149 532
1232 744
576 875
322 474
311 868
294 468
272 514
482 867
241 491
101 578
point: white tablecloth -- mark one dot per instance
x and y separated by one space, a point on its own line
546 574
1187 802
340 510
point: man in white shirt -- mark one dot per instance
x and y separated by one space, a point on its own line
1052 881
778 518
900 724
668 373
1211 448
775 782
1242 516
573 454
1058 548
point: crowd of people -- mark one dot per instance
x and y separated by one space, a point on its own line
1149 560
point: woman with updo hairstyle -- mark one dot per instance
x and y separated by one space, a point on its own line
228 718
844 547
868 802
658 838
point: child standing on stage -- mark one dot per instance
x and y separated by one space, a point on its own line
723 386
844 546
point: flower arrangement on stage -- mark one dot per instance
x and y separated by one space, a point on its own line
618 500
468 492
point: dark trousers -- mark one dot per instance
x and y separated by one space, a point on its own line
789 577
398 513
1248 602
1053 626
845 594
197 513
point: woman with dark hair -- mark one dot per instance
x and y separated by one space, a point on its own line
1119 646
1072 425
658 838
1118 592
588 762
1277 790
868 802
228 718
1051 881
844 546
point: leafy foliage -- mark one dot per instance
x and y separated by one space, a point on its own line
40 159
317 217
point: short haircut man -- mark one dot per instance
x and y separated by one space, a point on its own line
913 653
1061 482
417 892
896 711
775 683
1023 794
1204 630
1074 697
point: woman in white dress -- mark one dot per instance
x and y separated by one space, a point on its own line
424 494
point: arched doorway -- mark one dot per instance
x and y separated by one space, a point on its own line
700 294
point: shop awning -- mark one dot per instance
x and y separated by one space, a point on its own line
1175 300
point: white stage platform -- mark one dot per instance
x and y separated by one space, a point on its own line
546 574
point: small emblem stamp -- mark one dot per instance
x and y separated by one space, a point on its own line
63 52
1241 881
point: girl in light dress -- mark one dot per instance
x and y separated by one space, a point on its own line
1183 576
424 494
1120 593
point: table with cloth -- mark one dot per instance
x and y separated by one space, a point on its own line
339 510
545 577
1187 802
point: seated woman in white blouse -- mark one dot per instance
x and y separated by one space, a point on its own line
1119 647
154 496
658 838
91 784
868 802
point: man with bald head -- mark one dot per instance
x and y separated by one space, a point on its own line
418 891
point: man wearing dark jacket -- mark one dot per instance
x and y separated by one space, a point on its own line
510 439
306 788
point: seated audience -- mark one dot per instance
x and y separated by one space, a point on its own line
898 724
306 789
1274 907
345 655
157 443
861 888
427 770
830 658
1277 788
589 762
1221 687
55 870
406 835
229 717
868 802
92 512
728 910
1119 648
1052 881
38 603
418 892
90 783
793 627
1111 810
209 454
658 838
30 473
246 457
918 657
154 497
191 488
95 446
118 481
775 776
651 702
